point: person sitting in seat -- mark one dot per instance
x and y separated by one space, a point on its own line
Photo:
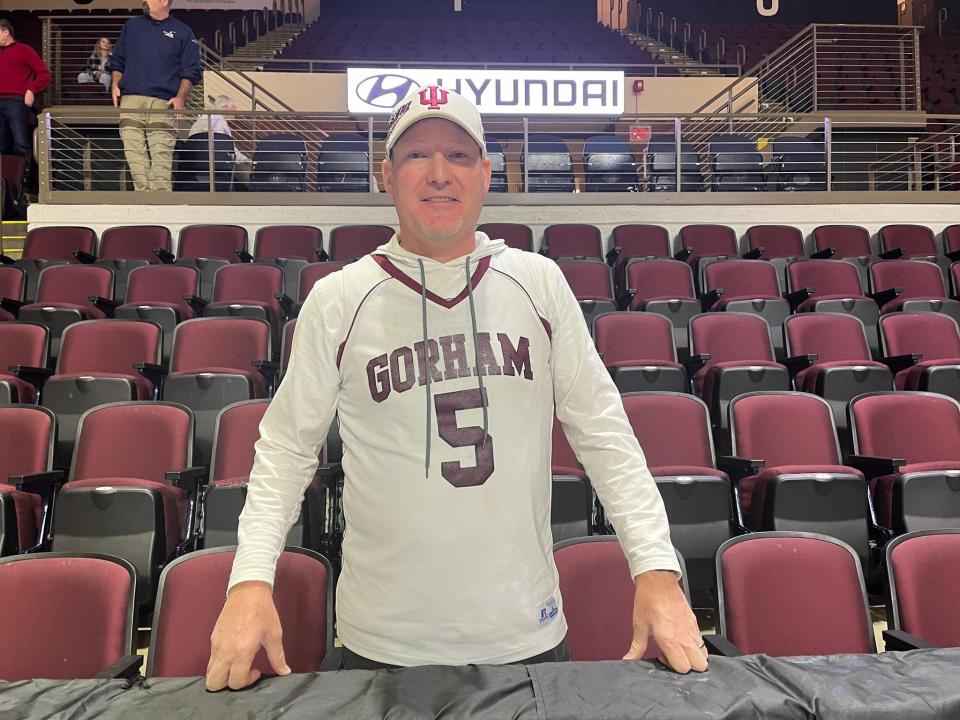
217 123
96 71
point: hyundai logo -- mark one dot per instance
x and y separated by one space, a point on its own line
384 91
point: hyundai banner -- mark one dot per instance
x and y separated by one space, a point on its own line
375 91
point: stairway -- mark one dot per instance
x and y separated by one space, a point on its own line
265 47
666 55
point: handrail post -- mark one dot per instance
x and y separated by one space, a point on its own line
678 159
210 169
370 153
918 100
815 73
659 26
903 74
43 157
526 153
649 21
828 148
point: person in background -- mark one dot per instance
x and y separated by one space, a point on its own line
155 63
23 75
218 123
96 71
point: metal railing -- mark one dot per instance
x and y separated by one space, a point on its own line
81 156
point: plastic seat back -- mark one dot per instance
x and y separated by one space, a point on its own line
776 240
673 429
353 241
847 240
589 280
805 433
134 242
825 277
915 278
294 242
514 235
933 335
238 428
573 240
731 337
829 336
624 337
212 242
59 243
917 427
742 278
709 240
223 343
913 240
108 346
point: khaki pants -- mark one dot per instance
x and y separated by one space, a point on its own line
148 139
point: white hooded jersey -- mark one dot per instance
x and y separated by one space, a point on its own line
447 553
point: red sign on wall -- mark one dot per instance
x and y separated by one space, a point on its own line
640 133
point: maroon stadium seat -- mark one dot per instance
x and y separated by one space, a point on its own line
514 235
192 591
598 595
911 285
911 441
572 240
951 240
349 242
97 365
637 348
313 272
26 448
13 283
119 498
42 641
631 241
777 241
924 572
786 594
674 433
700 241
911 240
208 248
664 287
927 348
253 291
847 241
294 242
591 284
23 346
124 248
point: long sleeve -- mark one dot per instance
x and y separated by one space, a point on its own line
190 61
588 406
41 75
291 434
118 60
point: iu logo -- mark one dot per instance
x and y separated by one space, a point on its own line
433 97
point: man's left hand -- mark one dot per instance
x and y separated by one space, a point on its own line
28 98
661 612
176 102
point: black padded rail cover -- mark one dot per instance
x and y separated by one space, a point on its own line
896 686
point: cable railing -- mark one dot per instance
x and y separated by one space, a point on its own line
301 155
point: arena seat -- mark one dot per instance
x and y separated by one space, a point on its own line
799 164
608 165
93 640
911 240
65 295
121 498
13 282
660 162
349 242
571 507
598 598
291 248
592 286
706 241
637 348
665 287
48 246
311 274
907 444
100 362
572 241
279 164
514 235
924 349
736 164
674 433
191 595
787 594
923 568
251 291
951 241
547 165
12 200
343 164
23 361
208 248
844 242
126 247
26 458
779 245
630 241
911 286
191 163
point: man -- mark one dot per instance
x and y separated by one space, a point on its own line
445 354
217 123
156 60
22 76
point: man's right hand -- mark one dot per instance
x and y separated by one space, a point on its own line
115 92
247 622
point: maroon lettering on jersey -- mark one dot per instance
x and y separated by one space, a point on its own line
488 364
455 363
430 358
433 97
402 356
515 358
378 377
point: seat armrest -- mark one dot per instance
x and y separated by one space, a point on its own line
953 256
189 479
166 257
754 254
708 299
270 370
286 304
719 645
739 467
683 254
876 466
6 260
896 363
84 257
154 373
244 256
797 297
891 254
126 668
38 483
612 255
900 640
104 305
11 306
884 296
694 363
36 376
322 255
800 362
824 254
196 303
626 297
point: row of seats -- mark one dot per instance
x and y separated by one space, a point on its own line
767 581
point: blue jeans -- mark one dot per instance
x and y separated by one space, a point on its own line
15 135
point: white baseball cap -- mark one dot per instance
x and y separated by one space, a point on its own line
435 101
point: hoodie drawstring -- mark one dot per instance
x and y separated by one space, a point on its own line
476 351
426 361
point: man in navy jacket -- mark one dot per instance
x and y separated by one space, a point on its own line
156 60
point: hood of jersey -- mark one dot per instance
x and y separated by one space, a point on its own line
447 280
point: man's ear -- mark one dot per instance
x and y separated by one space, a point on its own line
487 173
386 167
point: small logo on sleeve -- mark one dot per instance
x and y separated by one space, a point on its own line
547 612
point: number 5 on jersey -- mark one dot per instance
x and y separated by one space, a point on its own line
456 436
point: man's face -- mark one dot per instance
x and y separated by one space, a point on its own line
155 7
438 180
